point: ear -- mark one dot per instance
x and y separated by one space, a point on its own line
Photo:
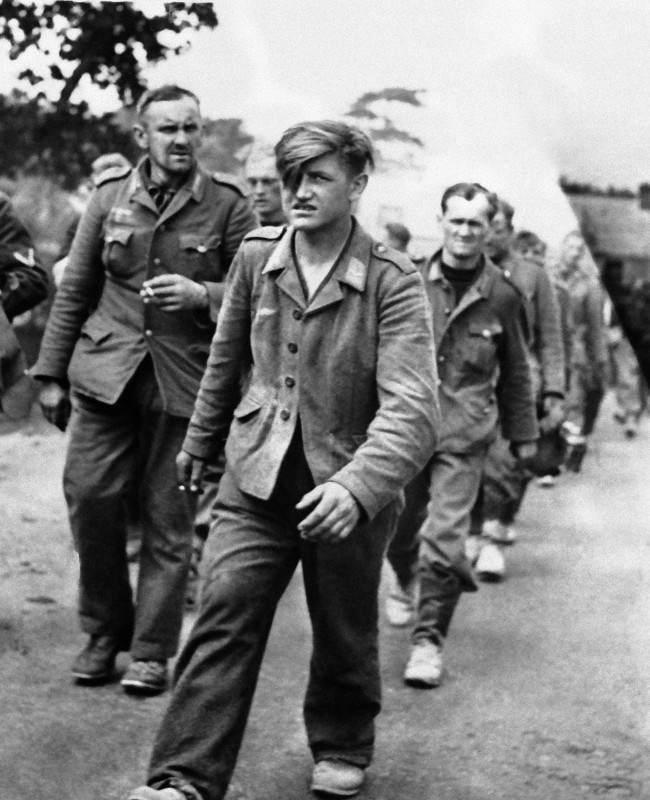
141 136
357 186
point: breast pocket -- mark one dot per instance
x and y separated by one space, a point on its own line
201 256
482 345
116 254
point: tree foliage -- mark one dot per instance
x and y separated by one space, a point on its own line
395 145
107 41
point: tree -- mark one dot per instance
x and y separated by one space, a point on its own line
108 42
395 146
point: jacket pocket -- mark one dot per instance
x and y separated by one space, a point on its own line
96 329
483 340
248 407
198 243
116 254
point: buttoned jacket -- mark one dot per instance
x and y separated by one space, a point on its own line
356 365
543 318
483 367
99 329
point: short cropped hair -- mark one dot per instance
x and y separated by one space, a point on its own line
309 140
525 240
399 232
504 207
468 191
168 91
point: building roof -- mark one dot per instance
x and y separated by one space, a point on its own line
613 226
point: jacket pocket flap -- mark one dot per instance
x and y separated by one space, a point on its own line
248 405
198 241
119 235
96 330
487 330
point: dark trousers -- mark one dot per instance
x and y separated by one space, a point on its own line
114 451
254 548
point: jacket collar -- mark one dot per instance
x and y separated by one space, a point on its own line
194 188
479 290
352 269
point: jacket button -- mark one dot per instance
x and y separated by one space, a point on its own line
290 382
296 314
292 347
448 311
156 261
148 332
441 359
285 414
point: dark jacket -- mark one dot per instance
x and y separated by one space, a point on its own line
482 361
99 330
356 365
23 282
543 316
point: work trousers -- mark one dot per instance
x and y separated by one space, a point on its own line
254 548
503 487
429 543
114 451
586 391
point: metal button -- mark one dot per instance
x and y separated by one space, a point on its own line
448 311
202 248
290 382
148 332
156 261
292 347
296 314
285 414
441 359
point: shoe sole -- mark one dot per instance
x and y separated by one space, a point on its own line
489 577
418 683
142 688
323 790
84 679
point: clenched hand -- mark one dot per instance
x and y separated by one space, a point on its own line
334 514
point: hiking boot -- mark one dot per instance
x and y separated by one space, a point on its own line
491 565
497 531
147 793
338 778
400 605
96 662
145 677
424 667
473 545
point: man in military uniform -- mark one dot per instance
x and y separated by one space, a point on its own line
588 366
23 284
262 177
339 413
129 335
505 478
484 381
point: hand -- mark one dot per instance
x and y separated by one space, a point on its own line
524 451
189 472
554 414
334 515
174 293
55 403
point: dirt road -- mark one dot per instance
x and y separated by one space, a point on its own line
548 674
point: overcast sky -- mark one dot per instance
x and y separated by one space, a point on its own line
516 91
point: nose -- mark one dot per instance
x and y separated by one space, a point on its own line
303 190
181 136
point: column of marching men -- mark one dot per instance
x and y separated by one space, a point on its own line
244 360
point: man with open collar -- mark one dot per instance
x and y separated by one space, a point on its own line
128 338
340 411
485 381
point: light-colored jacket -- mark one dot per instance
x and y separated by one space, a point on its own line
356 365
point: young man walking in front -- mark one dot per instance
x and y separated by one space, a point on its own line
339 413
